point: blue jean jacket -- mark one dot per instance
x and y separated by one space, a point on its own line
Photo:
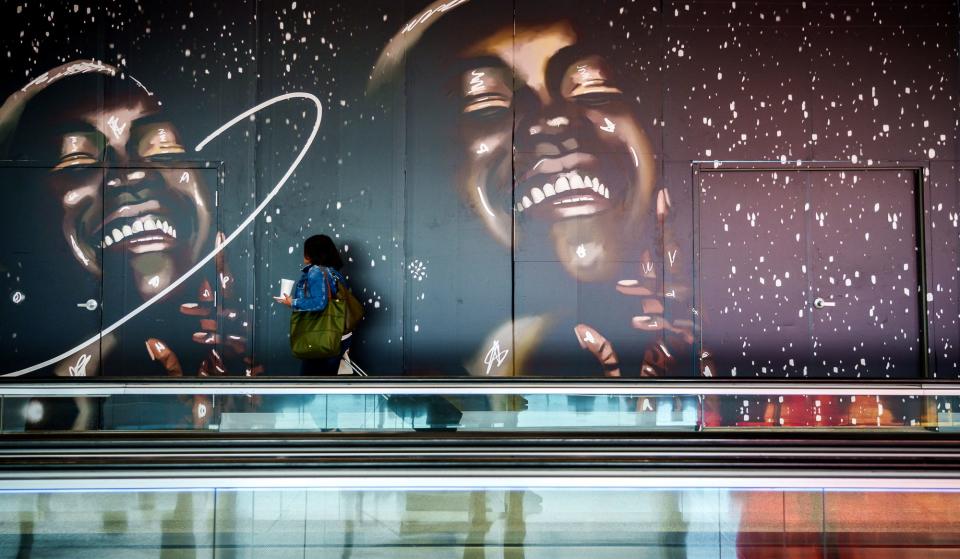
311 293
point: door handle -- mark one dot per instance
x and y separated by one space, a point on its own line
819 303
90 305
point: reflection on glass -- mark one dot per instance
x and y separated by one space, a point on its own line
522 411
483 523
106 524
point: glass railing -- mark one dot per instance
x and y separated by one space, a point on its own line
476 517
384 406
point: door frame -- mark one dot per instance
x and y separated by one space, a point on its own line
919 170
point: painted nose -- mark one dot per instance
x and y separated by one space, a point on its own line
125 177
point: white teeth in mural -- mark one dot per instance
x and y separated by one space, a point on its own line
573 200
567 182
138 227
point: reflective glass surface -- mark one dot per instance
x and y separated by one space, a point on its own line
478 522
472 407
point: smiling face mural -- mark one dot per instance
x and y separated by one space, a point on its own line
522 187
112 158
550 134
107 165
552 158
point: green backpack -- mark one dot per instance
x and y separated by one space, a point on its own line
317 334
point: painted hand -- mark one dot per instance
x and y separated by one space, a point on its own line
597 344
221 330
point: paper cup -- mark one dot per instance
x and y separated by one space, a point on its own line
286 287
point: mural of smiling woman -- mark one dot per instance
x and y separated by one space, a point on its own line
550 134
94 154
552 159
112 166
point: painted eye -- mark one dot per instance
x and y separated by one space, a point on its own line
488 113
165 155
597 98
159 141
163 151
487 107
74 161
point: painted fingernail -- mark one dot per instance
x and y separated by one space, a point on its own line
206 292
663 202
646 322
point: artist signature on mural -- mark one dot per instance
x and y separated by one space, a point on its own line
495 355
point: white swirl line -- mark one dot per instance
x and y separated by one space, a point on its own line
227 241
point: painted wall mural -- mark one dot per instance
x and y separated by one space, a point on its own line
519 187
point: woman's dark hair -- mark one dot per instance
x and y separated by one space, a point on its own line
320 250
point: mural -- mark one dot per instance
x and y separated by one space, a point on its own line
552 158
519 187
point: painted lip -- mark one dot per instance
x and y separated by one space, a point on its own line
550 166
148 207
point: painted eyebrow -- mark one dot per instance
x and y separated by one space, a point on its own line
466 65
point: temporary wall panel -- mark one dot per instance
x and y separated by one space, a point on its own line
518 187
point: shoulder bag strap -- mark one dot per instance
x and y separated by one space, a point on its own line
306 283
326 283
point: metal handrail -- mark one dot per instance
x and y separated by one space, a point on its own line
101 387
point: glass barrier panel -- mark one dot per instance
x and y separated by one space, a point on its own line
407 407
477 522
819 411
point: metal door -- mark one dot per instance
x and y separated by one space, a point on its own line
50 264
810 272
864 273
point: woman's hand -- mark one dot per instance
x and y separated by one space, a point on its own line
285 300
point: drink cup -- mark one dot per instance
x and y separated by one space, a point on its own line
286 287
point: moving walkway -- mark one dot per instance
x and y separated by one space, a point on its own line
512 468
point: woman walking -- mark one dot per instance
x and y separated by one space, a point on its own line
318 283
